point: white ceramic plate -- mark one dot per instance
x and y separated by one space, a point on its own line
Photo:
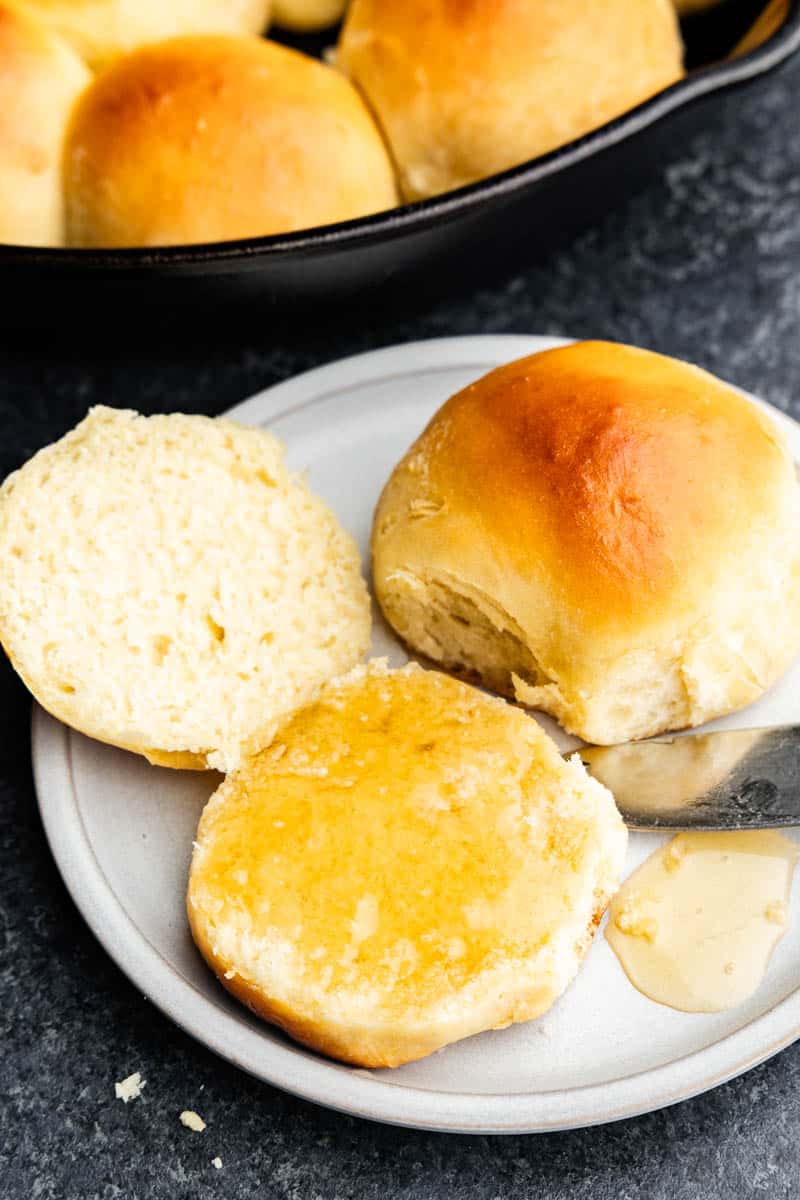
121 832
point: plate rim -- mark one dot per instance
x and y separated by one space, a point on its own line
294 1069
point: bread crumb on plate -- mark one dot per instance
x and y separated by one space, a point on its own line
192 1120
130 1088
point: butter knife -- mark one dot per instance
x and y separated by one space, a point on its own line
734 779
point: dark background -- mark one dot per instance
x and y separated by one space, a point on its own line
705 265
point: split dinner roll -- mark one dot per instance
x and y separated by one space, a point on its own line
604 533
102 30
168 587
410 862
206 139
40 80
465 89
308 15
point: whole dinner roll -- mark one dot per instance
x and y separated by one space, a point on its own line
204 139
465 89
40 80
169 587
308 15
101 30
603 533
408 863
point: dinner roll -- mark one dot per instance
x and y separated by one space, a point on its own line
170 588
101 30
40 79
308 15
770 20
208 138
606 534
465 89
410 862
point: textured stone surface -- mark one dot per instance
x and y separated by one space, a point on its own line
705 265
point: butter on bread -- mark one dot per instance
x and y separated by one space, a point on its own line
171 588
604 533
408 863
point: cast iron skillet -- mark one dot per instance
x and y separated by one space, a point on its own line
426 245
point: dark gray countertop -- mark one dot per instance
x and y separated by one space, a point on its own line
706 266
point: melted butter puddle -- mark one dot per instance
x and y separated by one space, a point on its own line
695 926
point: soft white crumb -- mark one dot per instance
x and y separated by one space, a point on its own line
130 1088
217 1163
192 1120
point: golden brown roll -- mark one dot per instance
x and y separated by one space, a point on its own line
40 79
607 534
769 21
203 139
101 30
463 90
408 863
308 15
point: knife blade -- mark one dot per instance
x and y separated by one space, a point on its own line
732 779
